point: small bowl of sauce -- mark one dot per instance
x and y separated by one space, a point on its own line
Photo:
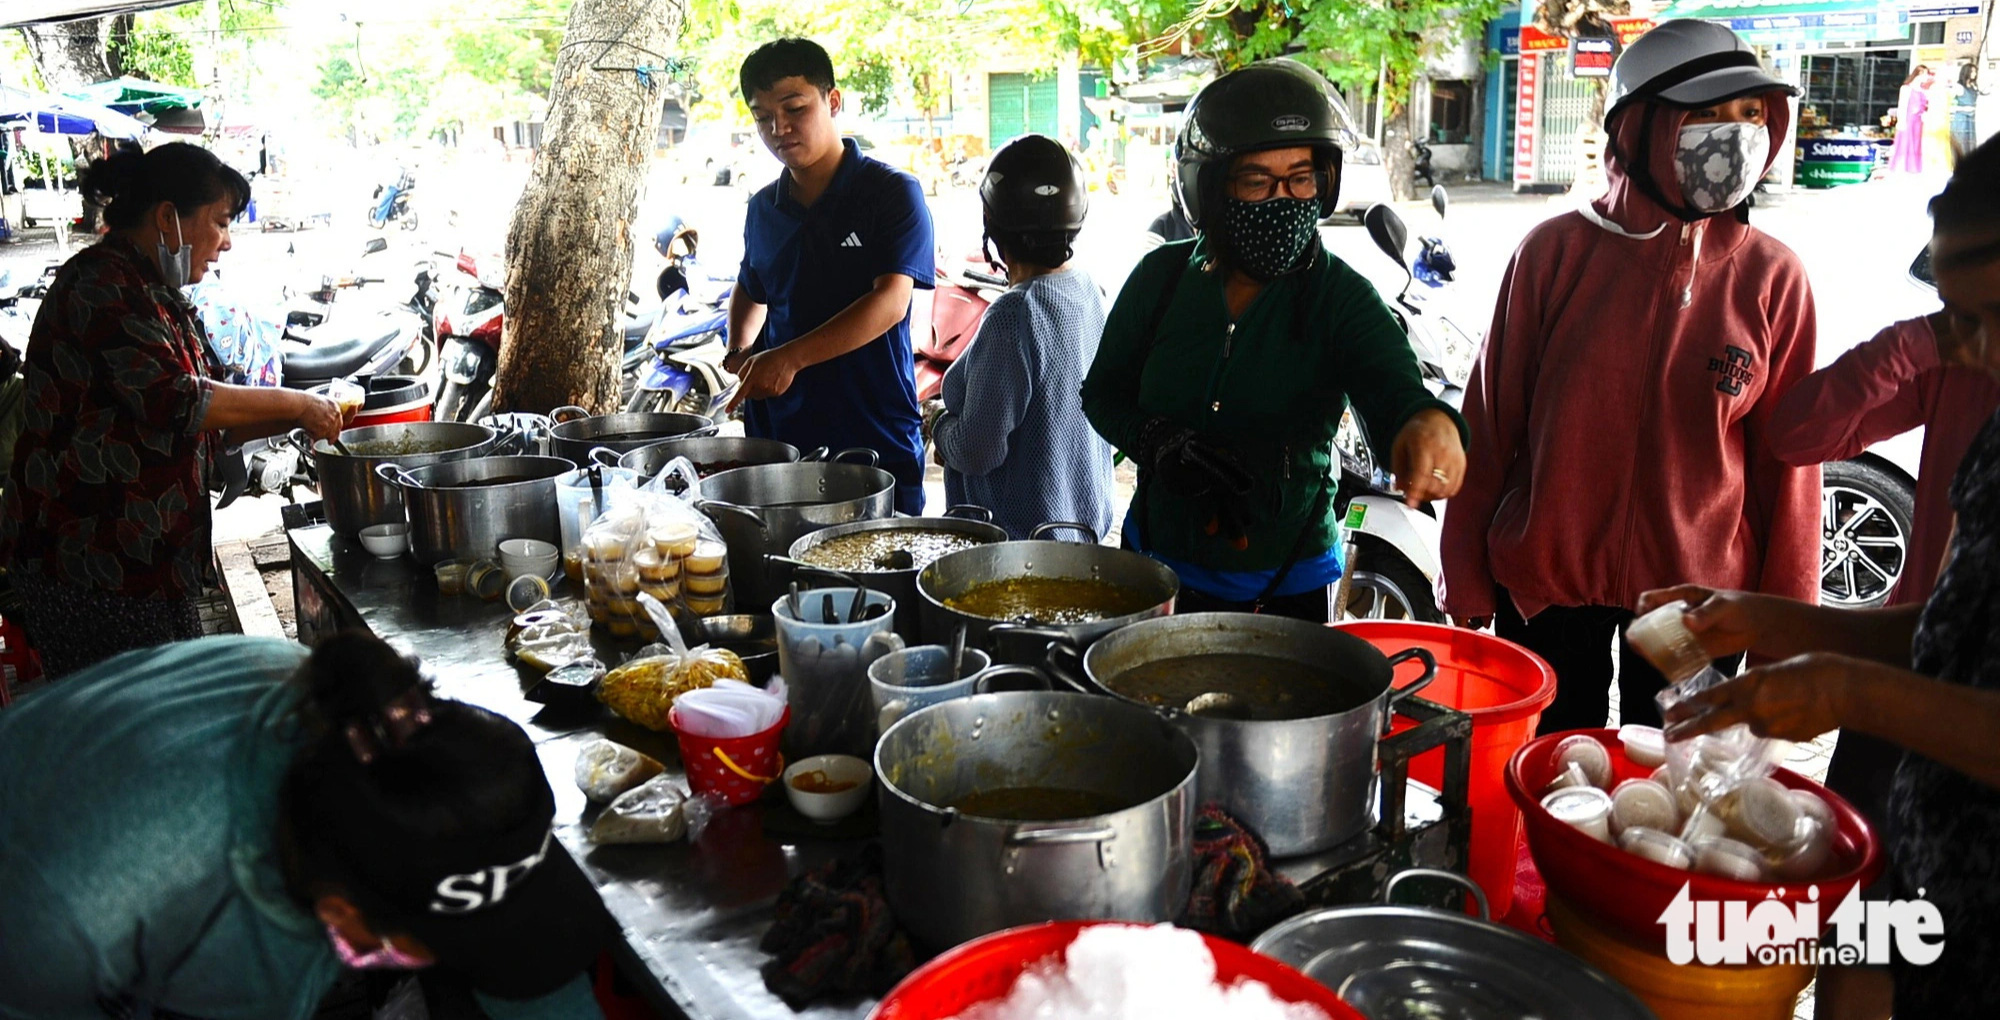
828 787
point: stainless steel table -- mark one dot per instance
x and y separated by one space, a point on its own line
691 913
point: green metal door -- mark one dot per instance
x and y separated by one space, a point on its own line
1017 104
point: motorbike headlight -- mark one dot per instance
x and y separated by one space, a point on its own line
1365 155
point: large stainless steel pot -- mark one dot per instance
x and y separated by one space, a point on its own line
762 510
1302 784
951 877
463 509
1389 961
574 437
735 451
355 498
952 575
900 584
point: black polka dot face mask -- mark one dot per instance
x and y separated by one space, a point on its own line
1269 239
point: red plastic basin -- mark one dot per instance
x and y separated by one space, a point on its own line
1627 892
1504 688
985 969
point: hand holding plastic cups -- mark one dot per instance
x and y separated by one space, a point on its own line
1662 636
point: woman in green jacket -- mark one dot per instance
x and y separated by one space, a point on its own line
1228 360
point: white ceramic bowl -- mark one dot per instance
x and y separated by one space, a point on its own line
386 541
827 808
529 557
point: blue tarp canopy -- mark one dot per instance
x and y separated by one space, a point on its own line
58 116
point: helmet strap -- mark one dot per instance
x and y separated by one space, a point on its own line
986 252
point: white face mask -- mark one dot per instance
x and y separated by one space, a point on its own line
1719 164
176 265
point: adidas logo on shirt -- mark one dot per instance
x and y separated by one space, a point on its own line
853 240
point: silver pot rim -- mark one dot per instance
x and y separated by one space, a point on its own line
995 703
1386 697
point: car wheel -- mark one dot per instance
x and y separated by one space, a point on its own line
1383 585
1865 519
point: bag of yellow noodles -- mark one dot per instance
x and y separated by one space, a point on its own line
643 689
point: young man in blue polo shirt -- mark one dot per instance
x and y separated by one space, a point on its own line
831 252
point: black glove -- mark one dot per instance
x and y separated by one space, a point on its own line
1188 465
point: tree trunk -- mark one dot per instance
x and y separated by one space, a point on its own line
72 54
1397 157
569 250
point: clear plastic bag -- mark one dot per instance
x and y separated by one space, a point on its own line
1722 781
605 770
653 812
659 545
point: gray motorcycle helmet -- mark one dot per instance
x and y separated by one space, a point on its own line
1688 63
1033 185
1272 104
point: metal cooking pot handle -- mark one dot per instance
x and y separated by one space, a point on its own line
874 459
300 441
1430 672
756 518
1053 526
971 512
604 456
1478 894
567 413
509 444
814 455
1037 679
395 475
1069 674
701 433
1054 837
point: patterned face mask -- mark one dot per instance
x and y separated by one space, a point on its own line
1719 164
1266 239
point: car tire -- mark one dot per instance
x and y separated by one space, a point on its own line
1866 515
1385 585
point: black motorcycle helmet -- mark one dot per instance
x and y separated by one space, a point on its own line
1034 198
1272 104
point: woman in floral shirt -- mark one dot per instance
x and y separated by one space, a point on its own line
106 525
1926 679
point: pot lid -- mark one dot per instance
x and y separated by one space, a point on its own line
1394 963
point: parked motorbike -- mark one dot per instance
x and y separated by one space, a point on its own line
1392 551
958 304
391 201
679 365
469 319
1421 169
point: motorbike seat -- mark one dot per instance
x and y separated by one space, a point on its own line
335 352
638 325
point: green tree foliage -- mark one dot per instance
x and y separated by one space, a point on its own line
883 50
161 45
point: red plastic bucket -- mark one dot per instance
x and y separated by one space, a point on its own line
735 770
1504 688
986 968
1626 893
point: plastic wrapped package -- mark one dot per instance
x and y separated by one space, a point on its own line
655 544
644 689
605 770
652 812
546 636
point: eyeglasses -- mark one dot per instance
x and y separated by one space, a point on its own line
1261 187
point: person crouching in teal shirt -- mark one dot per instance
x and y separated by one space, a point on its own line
215 828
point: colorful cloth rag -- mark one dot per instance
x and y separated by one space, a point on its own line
834 934
1236 894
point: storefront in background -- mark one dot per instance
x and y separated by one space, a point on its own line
1550 103
1503 79
1850 59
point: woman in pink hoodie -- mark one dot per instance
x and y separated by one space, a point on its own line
1620 407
